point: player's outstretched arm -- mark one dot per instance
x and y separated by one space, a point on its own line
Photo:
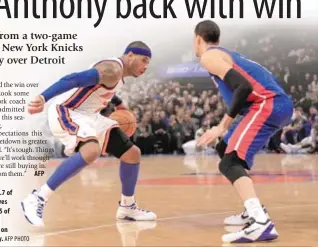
81 79
220 64
106 73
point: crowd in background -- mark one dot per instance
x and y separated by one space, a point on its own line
170 113
173 113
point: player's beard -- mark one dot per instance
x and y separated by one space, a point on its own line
131 71
135 71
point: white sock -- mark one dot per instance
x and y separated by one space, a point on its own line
255 210
45 192
127 200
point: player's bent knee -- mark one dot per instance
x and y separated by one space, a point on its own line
220 148
132 156
232 167
119 143
90 150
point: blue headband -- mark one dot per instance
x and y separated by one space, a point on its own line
138 51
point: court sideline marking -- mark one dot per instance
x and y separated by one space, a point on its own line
160 219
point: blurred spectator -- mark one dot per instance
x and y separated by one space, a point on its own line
190 146
294 94
188 128
313 114
159 131
292 133
307 145
314 83
176 133
143 136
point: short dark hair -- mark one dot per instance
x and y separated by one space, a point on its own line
139 44
209 31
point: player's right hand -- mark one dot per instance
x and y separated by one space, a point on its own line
36 105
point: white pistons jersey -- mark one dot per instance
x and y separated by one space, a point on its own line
89 99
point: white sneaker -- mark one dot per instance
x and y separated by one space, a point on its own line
253 232
240 219
134 213
233 228
286 148
33 208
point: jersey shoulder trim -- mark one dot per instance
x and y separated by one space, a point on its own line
114 59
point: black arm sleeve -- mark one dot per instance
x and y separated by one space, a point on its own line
116 100
242 89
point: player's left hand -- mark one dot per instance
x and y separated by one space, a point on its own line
210 136
36 105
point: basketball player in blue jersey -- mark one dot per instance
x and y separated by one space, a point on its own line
75 120
250 90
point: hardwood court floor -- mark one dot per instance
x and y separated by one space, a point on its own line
190 198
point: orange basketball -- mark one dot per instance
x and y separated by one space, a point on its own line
126 120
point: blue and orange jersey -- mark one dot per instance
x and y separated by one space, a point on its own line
87 100
263 81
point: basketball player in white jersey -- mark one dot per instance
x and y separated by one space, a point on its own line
75 119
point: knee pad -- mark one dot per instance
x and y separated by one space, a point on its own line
232 167
118 143
220 148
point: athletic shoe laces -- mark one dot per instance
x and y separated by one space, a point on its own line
134 206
